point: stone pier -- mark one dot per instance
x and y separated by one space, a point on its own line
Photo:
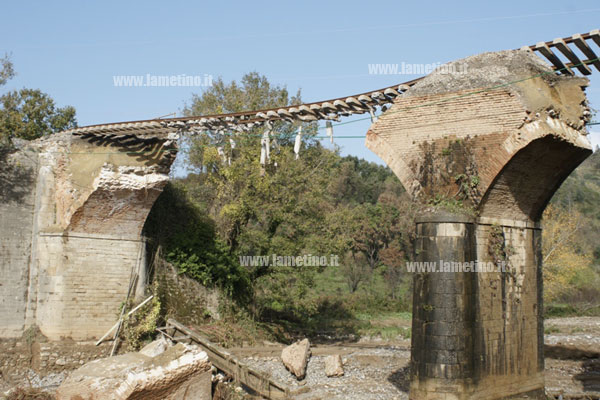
482 152
472 329
72 208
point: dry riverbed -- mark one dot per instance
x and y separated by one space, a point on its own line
378 369
374 368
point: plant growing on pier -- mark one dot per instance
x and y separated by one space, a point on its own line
141 326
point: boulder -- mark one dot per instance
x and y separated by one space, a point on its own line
334 365
295 358
180 372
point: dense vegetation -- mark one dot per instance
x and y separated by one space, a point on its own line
571 245
319 204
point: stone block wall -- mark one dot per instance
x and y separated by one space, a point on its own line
183 298
442 357
477 334
49 360
508 335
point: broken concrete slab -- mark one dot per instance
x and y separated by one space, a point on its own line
180 372
295 357
334 365
156 347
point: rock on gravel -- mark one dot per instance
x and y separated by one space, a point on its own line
295 357
334 366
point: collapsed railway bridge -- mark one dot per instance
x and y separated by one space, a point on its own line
504 136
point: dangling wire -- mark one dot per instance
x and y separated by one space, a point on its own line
231 147
298 142
221 153
265 147
329 130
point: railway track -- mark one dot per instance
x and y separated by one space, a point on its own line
562 53
226 362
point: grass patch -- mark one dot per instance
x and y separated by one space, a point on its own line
387 325
548 330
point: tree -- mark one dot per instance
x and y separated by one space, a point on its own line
373 235
355 269
242 198
262 210
7 72
29 113
320 204
563 257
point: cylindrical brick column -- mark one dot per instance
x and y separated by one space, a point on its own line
442 337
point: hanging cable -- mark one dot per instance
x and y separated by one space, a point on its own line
298 142
329 130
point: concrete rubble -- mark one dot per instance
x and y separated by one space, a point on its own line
156 347
334 366
295 357
178 372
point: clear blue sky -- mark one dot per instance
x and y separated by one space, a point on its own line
72 49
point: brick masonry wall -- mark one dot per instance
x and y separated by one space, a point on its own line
83 282
519 141
437 121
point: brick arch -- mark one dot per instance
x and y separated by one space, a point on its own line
527 182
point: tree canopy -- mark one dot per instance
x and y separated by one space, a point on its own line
319 204
29 113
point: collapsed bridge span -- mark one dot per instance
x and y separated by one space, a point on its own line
501 138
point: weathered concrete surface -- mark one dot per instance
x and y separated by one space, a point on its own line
494 144
155 347
180 372
71 215
18 174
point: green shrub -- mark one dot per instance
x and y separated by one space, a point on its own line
190 242
141 326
